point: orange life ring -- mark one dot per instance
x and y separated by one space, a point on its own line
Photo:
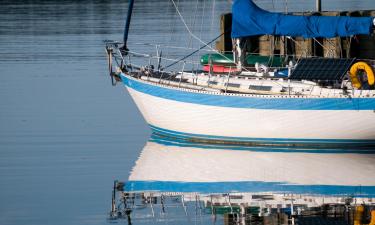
361 66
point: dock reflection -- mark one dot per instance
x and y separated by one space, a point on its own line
186 183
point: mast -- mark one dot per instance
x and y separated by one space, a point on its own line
239 52
318 5
124 49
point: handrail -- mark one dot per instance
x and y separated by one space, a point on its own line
118 58
117 44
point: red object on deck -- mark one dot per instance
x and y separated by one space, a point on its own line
220 69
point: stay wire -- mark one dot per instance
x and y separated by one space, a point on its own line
195 37
187 56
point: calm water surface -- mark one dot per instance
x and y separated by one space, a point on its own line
65 133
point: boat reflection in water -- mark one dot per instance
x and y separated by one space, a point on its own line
185 183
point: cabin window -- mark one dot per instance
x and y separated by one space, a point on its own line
260 88
232 85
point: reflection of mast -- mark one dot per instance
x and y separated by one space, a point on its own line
239 208
292 214
113 205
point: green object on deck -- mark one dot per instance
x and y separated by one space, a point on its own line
217 59
221 210
227 59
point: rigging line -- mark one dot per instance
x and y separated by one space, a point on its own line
185 57
202 19
322 45
333 45
212 17
186 26
168 46
136 54
191 43
193 22
197 38
201 23
300 46
193 35
173 38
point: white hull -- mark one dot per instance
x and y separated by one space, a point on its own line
205 121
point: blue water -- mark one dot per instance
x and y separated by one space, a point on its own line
65 133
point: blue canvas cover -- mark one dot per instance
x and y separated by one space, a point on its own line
249 20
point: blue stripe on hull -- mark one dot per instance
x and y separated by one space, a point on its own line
266 141
235 101
249 186
185 143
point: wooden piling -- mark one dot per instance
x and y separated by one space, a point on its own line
366 43
224 44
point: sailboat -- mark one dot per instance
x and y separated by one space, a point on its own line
321 101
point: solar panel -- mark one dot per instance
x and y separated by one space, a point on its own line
321 69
